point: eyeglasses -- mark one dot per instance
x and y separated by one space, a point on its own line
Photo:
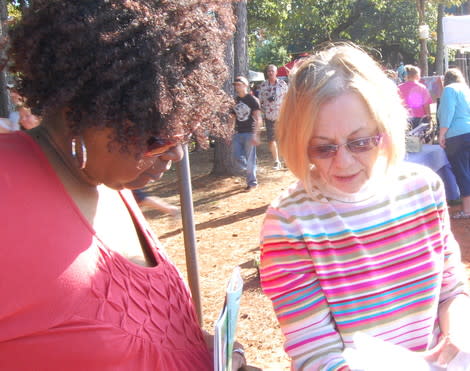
159 146
355 146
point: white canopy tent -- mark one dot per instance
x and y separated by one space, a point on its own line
456 35
255 76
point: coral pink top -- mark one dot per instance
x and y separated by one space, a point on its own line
68 302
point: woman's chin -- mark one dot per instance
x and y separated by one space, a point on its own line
349 189
142 181
350 186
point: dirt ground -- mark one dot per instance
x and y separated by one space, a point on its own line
227 222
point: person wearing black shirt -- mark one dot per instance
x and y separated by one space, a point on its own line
247 113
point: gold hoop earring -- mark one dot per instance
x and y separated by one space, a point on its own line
82 161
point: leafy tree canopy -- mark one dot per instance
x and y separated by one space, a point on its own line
297 26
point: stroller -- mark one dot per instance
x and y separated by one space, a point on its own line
425 128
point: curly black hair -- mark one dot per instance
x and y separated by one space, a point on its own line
157 64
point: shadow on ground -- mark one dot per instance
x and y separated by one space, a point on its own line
216 222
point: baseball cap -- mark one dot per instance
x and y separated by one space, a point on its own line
241 79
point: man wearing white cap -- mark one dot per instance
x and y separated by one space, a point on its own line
247 125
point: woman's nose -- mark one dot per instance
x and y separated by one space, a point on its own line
343 157
174 154
164 160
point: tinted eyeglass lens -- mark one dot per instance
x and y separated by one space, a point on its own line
358 145
362 144
323 151
158 146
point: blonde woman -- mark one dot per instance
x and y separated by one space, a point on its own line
362 241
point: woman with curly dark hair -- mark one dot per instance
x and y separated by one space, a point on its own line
119 85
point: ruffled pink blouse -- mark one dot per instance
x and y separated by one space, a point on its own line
68 302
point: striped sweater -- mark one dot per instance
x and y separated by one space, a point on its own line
380 265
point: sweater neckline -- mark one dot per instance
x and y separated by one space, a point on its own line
374 186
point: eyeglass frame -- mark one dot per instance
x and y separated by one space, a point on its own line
164 145
375 140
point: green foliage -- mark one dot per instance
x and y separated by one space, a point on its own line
267 16
268 52
313 22
266 23
390 27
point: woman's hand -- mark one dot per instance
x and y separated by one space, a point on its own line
449 356
454 345
238 354
442 141
442 353
238 357
442 137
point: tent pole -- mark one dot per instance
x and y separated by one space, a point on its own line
446 58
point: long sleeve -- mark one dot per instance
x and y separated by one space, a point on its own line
289 279
446 107
454 277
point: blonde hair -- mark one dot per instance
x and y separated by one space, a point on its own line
330 73
412 72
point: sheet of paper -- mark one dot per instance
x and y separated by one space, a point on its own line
372 354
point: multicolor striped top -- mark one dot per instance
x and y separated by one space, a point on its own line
380 265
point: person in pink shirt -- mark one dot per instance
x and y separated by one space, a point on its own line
84 283
416 96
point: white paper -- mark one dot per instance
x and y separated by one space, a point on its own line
372 354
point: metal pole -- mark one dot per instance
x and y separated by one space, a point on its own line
446 59
189 231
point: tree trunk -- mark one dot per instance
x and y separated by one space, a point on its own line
3 81
240 41
223 162
423 56
423 50
236 58
440 41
